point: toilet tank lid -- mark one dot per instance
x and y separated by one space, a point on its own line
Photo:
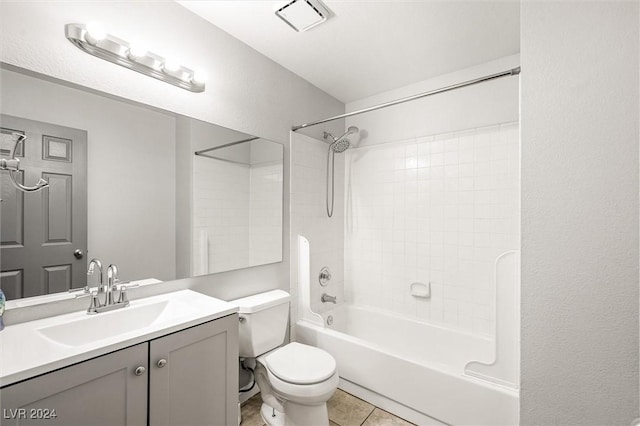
260 301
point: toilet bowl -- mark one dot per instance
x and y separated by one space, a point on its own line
295 380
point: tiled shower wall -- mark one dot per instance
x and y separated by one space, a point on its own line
237 213
220 215
436 209
265 213
309 219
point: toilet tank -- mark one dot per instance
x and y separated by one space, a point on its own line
263 322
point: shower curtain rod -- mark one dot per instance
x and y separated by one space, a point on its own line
513 71
226 145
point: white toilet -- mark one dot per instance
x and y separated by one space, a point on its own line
295 380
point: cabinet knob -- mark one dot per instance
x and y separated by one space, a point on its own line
140 371
162 363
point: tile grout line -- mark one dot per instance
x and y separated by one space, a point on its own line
368 415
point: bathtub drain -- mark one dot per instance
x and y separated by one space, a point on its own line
330 320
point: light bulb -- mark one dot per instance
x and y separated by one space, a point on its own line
136 51
95 33
199 77
171 65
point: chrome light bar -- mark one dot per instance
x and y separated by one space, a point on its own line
108 47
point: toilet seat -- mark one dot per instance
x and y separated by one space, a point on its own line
300 373
315 394
300 364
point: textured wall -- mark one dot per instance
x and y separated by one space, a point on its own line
245 90
579 213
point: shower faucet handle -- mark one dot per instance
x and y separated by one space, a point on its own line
325 276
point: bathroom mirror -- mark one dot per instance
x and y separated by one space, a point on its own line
126 186
237 205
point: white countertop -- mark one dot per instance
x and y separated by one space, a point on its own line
63 295
25 352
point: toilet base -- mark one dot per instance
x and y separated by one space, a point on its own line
297 415
271 416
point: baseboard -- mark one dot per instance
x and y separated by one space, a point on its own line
389 405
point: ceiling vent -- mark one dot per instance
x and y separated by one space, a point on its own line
302 15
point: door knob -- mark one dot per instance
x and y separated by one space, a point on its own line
78 254
140 371
162 363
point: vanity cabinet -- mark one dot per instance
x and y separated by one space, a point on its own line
101 391
185 378
193 376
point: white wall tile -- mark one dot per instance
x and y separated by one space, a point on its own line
452 208
309 219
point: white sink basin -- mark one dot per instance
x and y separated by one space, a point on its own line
97 327
36 347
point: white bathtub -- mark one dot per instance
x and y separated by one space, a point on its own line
415 369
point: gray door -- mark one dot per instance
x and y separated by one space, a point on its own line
104 391
40 231
193 376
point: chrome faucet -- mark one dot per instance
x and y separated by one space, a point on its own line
327 298
112 279
92 268
113 284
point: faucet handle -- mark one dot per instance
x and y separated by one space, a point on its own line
84 290
87 291
95 304
123 287
95 301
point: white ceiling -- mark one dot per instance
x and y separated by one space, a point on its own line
371 46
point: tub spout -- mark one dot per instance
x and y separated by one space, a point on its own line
327 298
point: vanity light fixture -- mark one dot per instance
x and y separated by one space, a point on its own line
93 39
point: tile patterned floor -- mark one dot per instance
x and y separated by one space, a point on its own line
344 410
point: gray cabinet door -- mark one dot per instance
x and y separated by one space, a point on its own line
102 391
41 230
194 376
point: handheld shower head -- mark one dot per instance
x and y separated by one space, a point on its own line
350 131
341 145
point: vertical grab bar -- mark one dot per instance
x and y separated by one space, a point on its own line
505 367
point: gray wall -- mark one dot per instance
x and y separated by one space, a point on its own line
579 117
246 91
